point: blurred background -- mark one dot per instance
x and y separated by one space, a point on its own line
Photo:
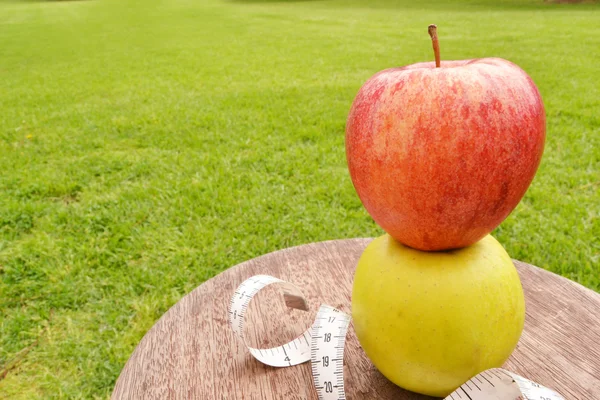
145 146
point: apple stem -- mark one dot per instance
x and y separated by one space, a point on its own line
436 44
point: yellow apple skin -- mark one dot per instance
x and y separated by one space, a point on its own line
430 321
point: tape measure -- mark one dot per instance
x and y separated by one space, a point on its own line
323 344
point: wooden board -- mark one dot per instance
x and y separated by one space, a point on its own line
191 353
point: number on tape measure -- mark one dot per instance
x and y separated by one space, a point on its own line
327 352
323 344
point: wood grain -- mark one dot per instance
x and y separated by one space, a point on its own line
191 352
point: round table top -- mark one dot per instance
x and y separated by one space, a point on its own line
192 353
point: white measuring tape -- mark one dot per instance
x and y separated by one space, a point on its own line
323 344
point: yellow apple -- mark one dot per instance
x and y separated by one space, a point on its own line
430 321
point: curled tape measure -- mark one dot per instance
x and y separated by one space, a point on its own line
323 344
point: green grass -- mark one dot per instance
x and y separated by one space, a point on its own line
146 147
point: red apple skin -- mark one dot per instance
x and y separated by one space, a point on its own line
441 156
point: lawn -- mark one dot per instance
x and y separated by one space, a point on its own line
147 146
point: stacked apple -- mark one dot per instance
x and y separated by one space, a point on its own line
440 153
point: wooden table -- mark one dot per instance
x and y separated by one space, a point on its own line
191 353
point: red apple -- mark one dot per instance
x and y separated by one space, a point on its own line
441 156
